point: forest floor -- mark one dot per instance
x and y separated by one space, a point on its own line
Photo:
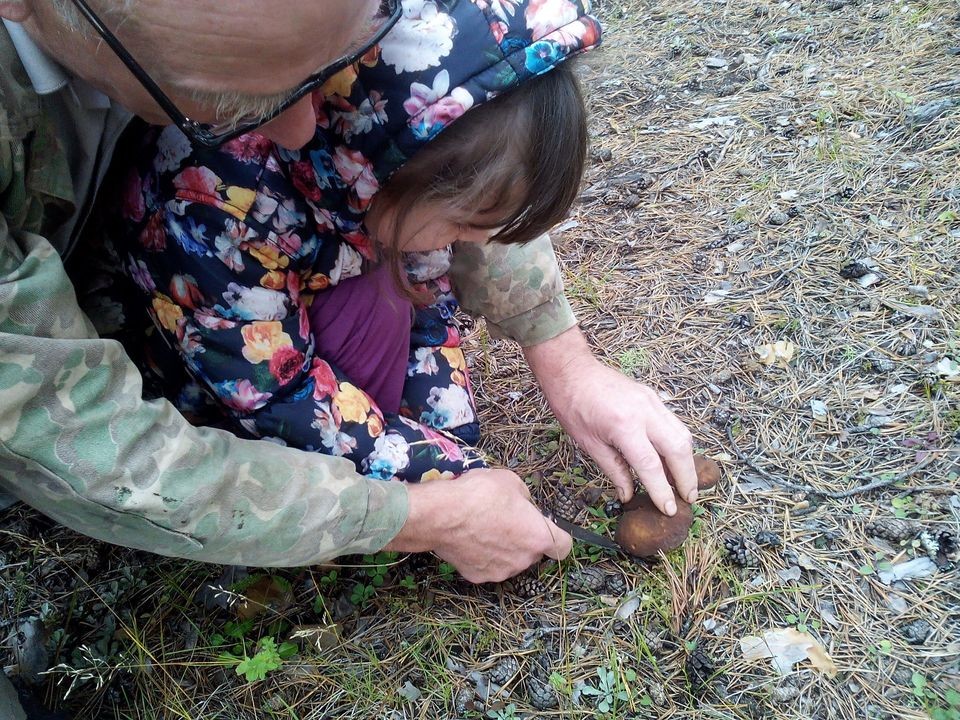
768 235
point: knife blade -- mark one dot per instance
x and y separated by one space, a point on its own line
584 535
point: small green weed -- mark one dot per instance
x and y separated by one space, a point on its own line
802 622
633 359
269 657
447 571
609 691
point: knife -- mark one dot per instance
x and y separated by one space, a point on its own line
584 535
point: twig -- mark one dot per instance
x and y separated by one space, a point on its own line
876 485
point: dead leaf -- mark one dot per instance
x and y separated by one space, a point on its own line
921 312
917 568
786 647
627 608
781 352
321 637
948 369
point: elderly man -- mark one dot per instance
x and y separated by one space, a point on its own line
79 443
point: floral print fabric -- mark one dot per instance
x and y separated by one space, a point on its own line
231 246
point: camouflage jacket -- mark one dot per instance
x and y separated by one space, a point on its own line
79 443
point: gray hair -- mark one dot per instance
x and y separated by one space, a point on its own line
232 108
235 108
119 11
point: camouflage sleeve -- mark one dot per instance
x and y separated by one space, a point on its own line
517 288
78 443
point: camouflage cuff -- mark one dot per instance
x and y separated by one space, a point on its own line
387 508
537 325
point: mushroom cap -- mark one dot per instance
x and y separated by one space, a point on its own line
643 530
708 472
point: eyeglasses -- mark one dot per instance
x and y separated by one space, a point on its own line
211 135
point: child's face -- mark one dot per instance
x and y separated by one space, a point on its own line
430 226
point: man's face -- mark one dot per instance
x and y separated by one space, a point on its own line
256 48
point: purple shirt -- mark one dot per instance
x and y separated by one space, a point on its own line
362 325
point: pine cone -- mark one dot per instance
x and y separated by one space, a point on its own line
541 694
700 262
948 550
540 667
465 702
653 638
613 508
586 581
738 551
767 538
657 694
893 529
854 270
504 670
616 584
700 668
565 505
528 585
878 363
916 632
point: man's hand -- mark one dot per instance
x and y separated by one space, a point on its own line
483 523
621 423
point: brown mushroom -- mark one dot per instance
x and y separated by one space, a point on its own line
708 472
643 530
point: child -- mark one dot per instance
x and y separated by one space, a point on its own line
275 275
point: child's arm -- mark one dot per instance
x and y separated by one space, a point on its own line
227 296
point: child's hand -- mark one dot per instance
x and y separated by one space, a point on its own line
483 523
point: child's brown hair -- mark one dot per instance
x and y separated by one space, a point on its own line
524 151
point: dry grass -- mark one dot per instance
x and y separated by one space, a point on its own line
720 206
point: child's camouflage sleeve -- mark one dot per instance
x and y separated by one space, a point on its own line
517 288
78 443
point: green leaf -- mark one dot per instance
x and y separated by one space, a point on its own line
866 570
238 630
558 681
287 650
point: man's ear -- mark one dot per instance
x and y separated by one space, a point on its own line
14 10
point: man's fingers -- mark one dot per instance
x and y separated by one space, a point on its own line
674 444
645 461
561 542
614 467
